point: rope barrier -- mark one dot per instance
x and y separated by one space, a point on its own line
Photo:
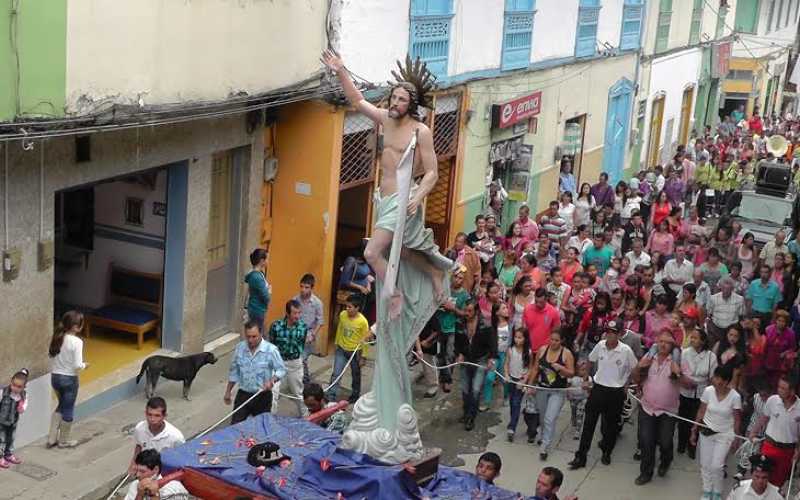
502 377
690 421
791 478
115 490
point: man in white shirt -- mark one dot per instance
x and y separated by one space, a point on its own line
148 474
637 256
724 308
154 432
767 255
614 362
678 271
757 487
781 415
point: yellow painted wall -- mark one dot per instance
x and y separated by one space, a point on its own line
303 227
743 63
737 86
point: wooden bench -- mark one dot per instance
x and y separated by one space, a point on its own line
133 304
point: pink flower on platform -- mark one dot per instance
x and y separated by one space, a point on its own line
324 464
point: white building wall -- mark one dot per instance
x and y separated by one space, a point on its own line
372 35
769 41
477 37
554 29
670 76
166 51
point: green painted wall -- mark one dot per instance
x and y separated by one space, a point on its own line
38 88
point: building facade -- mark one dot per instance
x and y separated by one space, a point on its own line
766 31
132 144
680 75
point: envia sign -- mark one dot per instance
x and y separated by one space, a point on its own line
522 108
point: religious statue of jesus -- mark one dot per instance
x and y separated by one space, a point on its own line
412 276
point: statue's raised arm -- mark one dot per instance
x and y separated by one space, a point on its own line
333 62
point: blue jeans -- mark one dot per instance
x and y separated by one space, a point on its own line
488 384
471 385
66 387
7 440
339 361
549 404
515 403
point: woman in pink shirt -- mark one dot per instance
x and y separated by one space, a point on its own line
661 240
779 352
514 239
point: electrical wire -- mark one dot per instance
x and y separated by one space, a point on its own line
159 122
292 90
738 38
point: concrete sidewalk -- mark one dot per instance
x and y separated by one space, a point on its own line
91 470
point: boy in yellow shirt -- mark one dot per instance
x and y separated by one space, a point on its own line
353 329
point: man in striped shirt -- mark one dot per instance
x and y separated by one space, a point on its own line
552 224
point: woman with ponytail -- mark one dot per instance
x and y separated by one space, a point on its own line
66 358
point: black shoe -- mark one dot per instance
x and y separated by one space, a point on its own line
543 456
531 439
691 452
637 455
642 479
662 470
606 458
577 463
681 449
469 424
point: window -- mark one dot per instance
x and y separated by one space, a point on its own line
631 25
518 33
771 14
740 74
722 13
664 21
586 39
746 19
697 21
431 21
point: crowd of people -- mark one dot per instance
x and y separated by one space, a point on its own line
641 294
641 298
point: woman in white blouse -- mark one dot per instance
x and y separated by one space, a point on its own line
66 359
718 422
698 363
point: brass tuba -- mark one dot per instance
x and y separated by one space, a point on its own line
777 145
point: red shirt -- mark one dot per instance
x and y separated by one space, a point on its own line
540 323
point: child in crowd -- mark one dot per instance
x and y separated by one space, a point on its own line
315 400
515 370
610 281
488 467
748 447
577 394
13 402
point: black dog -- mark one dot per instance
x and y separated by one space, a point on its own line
181 368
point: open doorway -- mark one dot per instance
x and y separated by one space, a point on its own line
109 264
